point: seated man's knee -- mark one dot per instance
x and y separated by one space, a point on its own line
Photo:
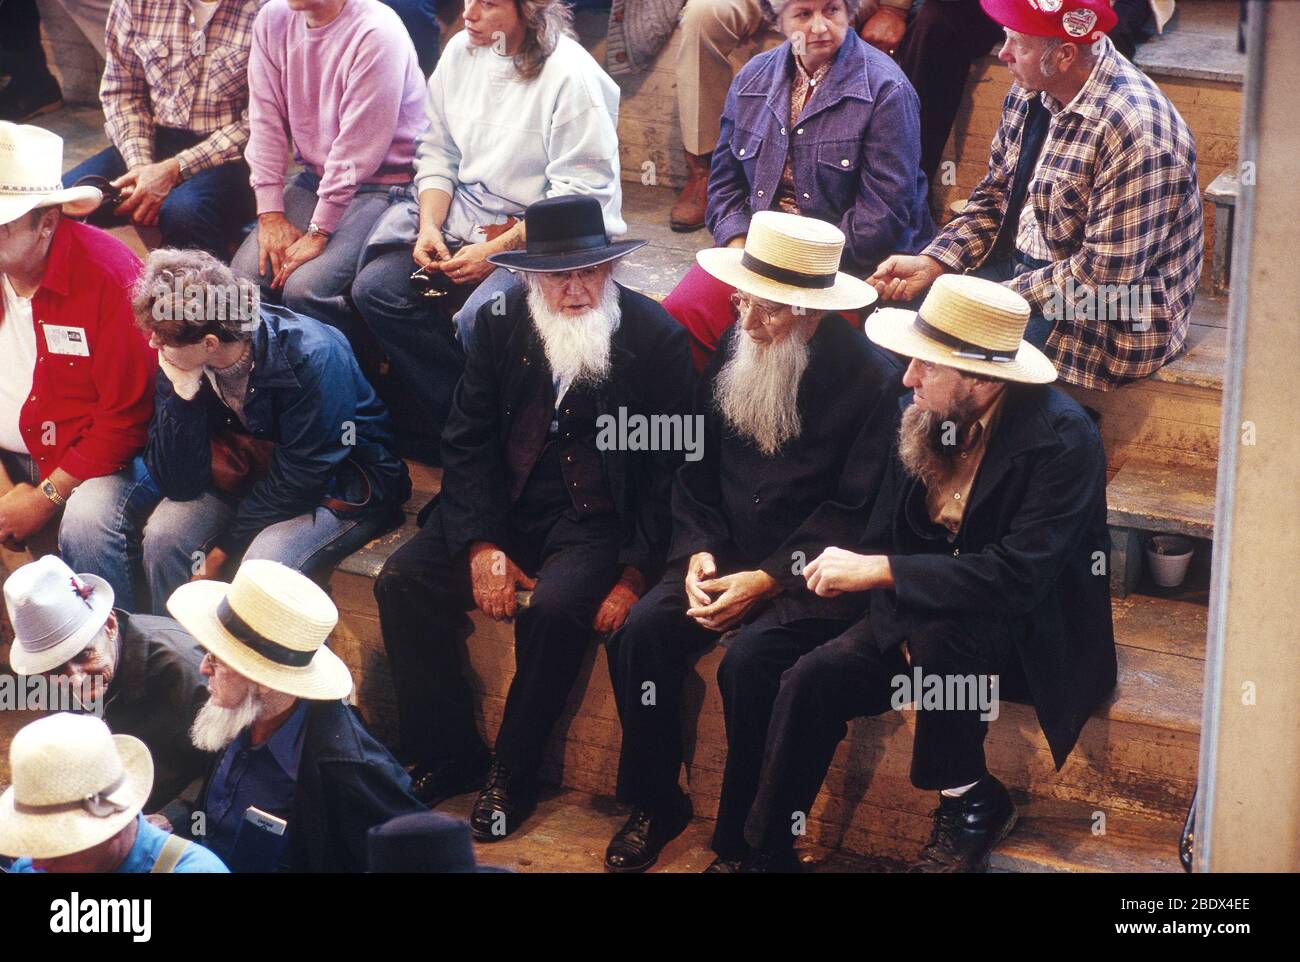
938 647
723 18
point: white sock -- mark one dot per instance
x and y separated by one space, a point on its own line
958 792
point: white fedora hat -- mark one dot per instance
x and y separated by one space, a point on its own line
270 625
31 160
75 785
55 613
791 260
969 323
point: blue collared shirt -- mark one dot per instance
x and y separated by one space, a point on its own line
144 853
265 776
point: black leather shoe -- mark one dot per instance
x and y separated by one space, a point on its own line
636 846
771 863
723 866
434 784
505 801
966 828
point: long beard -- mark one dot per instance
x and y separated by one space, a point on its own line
577 346
928 441
757 389
215 727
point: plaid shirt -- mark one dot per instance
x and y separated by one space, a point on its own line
1117 202
161 72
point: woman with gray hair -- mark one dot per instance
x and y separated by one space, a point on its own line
824 126
518 111
266 440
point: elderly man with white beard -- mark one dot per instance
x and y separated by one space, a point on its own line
797 407
534 499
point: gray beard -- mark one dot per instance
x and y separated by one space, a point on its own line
576 346
757 389
215 727
920 440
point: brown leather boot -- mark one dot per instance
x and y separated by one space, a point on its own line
688 213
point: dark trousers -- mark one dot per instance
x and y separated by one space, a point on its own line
849 677
421 22
942 41
423 594
207 212
22 56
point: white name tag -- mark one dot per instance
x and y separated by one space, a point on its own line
66 340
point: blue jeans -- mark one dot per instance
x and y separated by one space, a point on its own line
318 289
206 212
179 532
500 281
100 528
1012 265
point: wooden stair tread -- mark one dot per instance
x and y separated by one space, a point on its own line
1043 843
1165 498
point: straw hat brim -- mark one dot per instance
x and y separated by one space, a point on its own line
27 835
75 201
848 293
893 329
25 662
194 605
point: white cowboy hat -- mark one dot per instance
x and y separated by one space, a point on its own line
75 785
31 160
791 260
55 613
270 625
969 323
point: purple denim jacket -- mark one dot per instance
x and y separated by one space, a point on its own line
857 153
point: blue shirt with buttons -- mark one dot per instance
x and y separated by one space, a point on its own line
264 776
144 853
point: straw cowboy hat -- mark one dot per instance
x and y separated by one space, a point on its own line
55 613
564 233
791 260
270 625
30 161
75 785
969 323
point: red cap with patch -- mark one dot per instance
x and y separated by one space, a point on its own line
1074 21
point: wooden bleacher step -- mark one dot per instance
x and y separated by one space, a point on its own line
1150 497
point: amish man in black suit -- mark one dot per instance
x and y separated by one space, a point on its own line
538 493
797 407
983 559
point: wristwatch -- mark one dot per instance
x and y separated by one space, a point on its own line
315 230
184 169
50 491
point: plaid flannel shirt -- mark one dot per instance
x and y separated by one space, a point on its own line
1118 204
161 72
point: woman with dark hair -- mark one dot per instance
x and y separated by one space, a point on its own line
824 126
518 111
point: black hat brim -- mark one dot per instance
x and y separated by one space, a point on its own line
572 261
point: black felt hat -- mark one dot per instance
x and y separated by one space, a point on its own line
564 234
422 842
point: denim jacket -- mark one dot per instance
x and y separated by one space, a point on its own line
857 153
305 393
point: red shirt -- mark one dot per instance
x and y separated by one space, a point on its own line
87 414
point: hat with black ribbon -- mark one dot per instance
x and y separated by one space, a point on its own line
270 625
790 260
968 323
75 785
565 233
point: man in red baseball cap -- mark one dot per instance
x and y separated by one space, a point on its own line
1090 208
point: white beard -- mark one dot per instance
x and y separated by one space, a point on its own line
576 346
757 390
215 727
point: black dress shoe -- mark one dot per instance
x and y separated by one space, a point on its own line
966 828
771 863
723 866
636 846
505 801
434 784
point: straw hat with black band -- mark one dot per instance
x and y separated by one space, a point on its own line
270 626
30 161
967 323
75 785
790 260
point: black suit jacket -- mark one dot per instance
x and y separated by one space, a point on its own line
503 404
1031 557
777 513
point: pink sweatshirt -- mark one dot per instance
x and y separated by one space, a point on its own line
349 94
